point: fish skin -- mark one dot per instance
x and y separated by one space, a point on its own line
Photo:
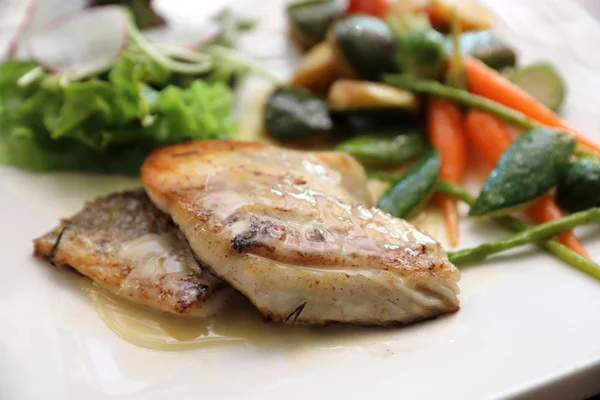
92 242
296 234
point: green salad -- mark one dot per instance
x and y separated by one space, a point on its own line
107 117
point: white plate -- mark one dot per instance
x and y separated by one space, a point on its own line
528 324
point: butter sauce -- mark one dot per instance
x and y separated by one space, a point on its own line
239 323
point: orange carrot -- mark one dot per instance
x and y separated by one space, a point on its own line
486 82
488 134
491 138
446 135
544 210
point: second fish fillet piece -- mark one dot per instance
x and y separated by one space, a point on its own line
132 249
296 233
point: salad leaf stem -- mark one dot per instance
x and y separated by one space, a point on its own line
176 66
183 53
239 60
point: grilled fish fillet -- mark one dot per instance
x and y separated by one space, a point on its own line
127 245
294 232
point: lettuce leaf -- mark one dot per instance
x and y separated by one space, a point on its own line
133 69
108 123
198 112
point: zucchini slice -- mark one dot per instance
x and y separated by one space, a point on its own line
309 20
487 47
579 189
294 113
528 168
543 82
364 46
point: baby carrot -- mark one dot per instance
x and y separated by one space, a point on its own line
488 134
486 82
446 135
544 210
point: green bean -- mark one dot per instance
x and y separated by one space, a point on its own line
463 97
582 152
470 100
381 150
385 176
410 193
532 234
559 250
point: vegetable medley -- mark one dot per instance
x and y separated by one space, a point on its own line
409 85
405 86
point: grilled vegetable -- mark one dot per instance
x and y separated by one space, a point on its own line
364 46
530 235
365 122
422 53
415 188
579 189
318 69
463 97
528 169
370 98
472 14
492 101
387 150
544 210
310 19
487 47
543 82
491 137
559 250
294 113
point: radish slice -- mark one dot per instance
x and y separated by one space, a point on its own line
188 36
14 15
38 14
82 42
188 12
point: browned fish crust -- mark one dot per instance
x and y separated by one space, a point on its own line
90 242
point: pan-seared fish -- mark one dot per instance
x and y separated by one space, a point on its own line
127 245
294 232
